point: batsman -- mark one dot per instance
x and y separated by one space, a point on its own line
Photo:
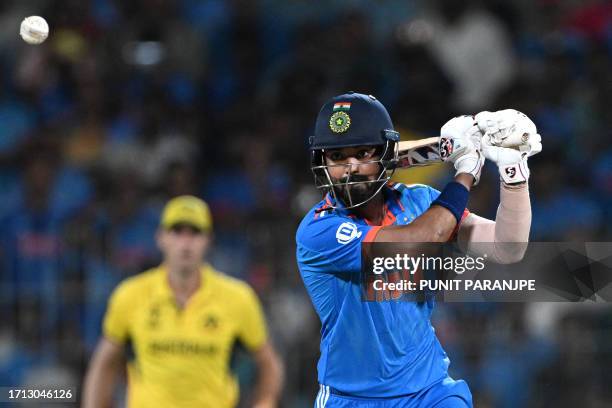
386 354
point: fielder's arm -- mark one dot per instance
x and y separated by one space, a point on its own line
269 378
106 366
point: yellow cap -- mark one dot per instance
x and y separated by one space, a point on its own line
187 210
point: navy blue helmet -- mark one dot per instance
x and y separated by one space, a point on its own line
351 120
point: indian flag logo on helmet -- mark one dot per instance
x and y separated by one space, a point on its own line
340 120
342 106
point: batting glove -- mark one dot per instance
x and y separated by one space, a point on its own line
459 144
509 138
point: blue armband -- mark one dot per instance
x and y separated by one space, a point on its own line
454 198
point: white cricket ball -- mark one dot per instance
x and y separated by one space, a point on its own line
34 30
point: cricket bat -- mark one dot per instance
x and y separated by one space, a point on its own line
423 152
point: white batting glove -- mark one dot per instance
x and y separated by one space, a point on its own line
509 138
510 128
460 144
511 163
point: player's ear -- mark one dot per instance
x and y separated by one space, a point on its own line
208 241
159 238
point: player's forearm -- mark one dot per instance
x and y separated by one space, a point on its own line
505 239
269 378
465 179
434 225
98 388
438 223
100 380
513 220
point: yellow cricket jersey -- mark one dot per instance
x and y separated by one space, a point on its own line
182 355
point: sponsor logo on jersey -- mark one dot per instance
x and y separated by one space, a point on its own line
182 347
347 232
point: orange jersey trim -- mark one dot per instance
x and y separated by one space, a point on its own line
371 235
453 236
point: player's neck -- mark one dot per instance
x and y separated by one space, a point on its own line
184 283
373 210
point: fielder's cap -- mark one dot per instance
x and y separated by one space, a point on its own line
187 210
352 119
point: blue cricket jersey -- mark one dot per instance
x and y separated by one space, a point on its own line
368 349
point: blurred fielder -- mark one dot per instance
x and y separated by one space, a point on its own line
385 354
182 321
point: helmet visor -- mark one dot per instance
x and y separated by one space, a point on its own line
354 190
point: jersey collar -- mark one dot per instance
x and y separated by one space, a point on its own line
164 290
393 204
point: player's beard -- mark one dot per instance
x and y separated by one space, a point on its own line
356 193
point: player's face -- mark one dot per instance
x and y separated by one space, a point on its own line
354 164
183 246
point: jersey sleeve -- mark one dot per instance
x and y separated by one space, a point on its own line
432 193
252 331
116 326
332 244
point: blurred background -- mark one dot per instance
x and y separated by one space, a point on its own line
132 102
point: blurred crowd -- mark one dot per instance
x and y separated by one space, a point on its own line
130 103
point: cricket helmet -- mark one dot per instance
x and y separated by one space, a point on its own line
351 120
